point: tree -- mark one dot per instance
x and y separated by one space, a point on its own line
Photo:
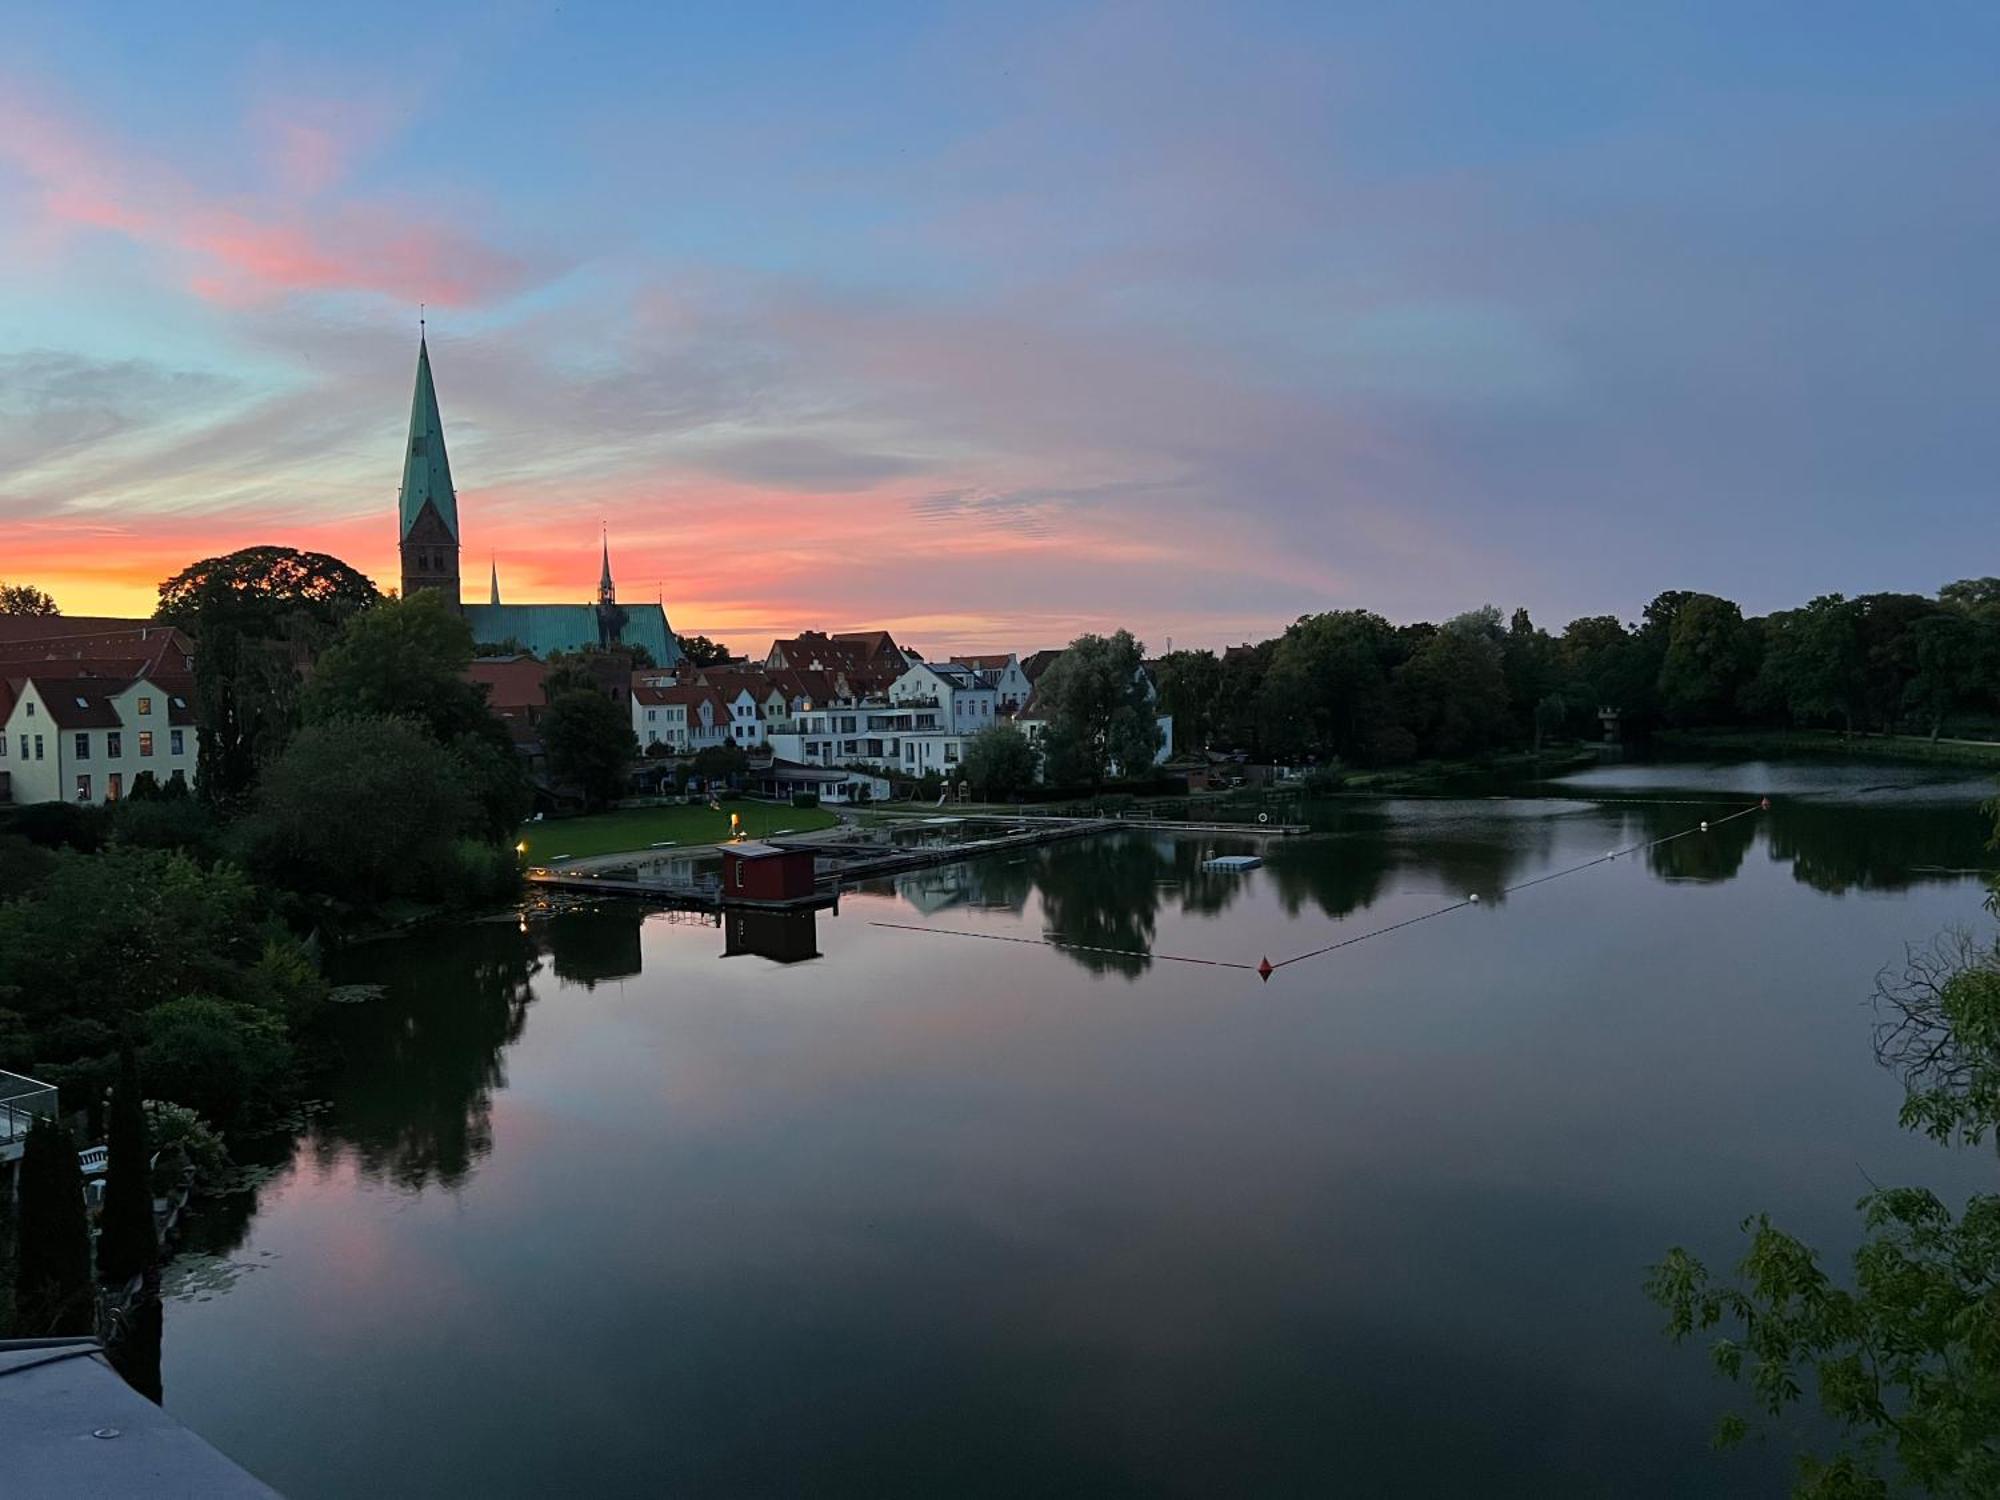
1190 684
1453 693
26 599
1707 661
590 745
223 1059
127 1245
257 616
1907 1361
700 651
1945 660
999 762
1812 660
52 1291
306 831
1327 687
1100 713
720 762
407 659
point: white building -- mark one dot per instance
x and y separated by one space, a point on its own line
908 737
966 703
1002 672
88 739
683 718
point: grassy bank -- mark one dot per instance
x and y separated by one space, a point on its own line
642 827
1831 744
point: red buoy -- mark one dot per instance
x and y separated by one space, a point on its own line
1264 969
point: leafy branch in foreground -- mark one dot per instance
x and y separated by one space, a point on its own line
1908 1361
1940 1030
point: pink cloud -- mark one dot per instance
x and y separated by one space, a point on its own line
241 248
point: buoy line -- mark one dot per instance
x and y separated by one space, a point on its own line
1049 942
1264 968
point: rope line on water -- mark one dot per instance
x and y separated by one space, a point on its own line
1049 942
1521 885
1267 968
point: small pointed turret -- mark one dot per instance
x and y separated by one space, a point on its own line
494 563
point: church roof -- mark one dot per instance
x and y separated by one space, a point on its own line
542 628
426 469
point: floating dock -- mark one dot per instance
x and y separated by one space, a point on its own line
1232 864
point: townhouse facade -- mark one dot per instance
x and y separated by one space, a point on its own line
89 739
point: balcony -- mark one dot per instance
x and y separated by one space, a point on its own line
22 1102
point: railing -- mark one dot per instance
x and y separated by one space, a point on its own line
22 1102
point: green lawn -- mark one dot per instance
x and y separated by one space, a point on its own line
642 827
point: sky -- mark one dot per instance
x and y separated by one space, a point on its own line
995 324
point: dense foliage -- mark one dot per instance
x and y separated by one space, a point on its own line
700 651
1348 685
258 617
406 659
999 762
590 744
1907 1360
52 1290
1099 709
26 599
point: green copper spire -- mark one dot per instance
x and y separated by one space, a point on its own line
426 470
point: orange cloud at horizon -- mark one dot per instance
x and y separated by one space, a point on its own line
738 563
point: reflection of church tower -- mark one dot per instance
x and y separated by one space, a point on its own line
428 508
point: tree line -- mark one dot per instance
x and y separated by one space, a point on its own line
1348 685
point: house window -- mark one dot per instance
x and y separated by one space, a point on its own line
950 754
3 747
176 742
83 788
114 744
31 708
83 747
739 873
652 714
38 742
145 742
114 787
145 705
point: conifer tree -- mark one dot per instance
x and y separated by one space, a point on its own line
52 1292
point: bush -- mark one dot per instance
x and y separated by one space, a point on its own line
177 1129
805 799
225 1061
360 809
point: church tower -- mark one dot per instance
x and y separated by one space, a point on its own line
428 507
610 618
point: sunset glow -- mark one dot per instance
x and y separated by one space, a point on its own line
1124 317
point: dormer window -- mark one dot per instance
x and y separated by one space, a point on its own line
145 705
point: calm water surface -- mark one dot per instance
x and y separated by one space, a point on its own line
622 1204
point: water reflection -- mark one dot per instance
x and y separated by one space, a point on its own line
418 1064
783 937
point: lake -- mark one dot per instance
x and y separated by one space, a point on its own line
617 1203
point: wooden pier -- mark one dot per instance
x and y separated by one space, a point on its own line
851 859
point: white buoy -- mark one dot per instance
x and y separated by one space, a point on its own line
1473 898
1704 827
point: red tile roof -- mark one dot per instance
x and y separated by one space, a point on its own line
511 681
